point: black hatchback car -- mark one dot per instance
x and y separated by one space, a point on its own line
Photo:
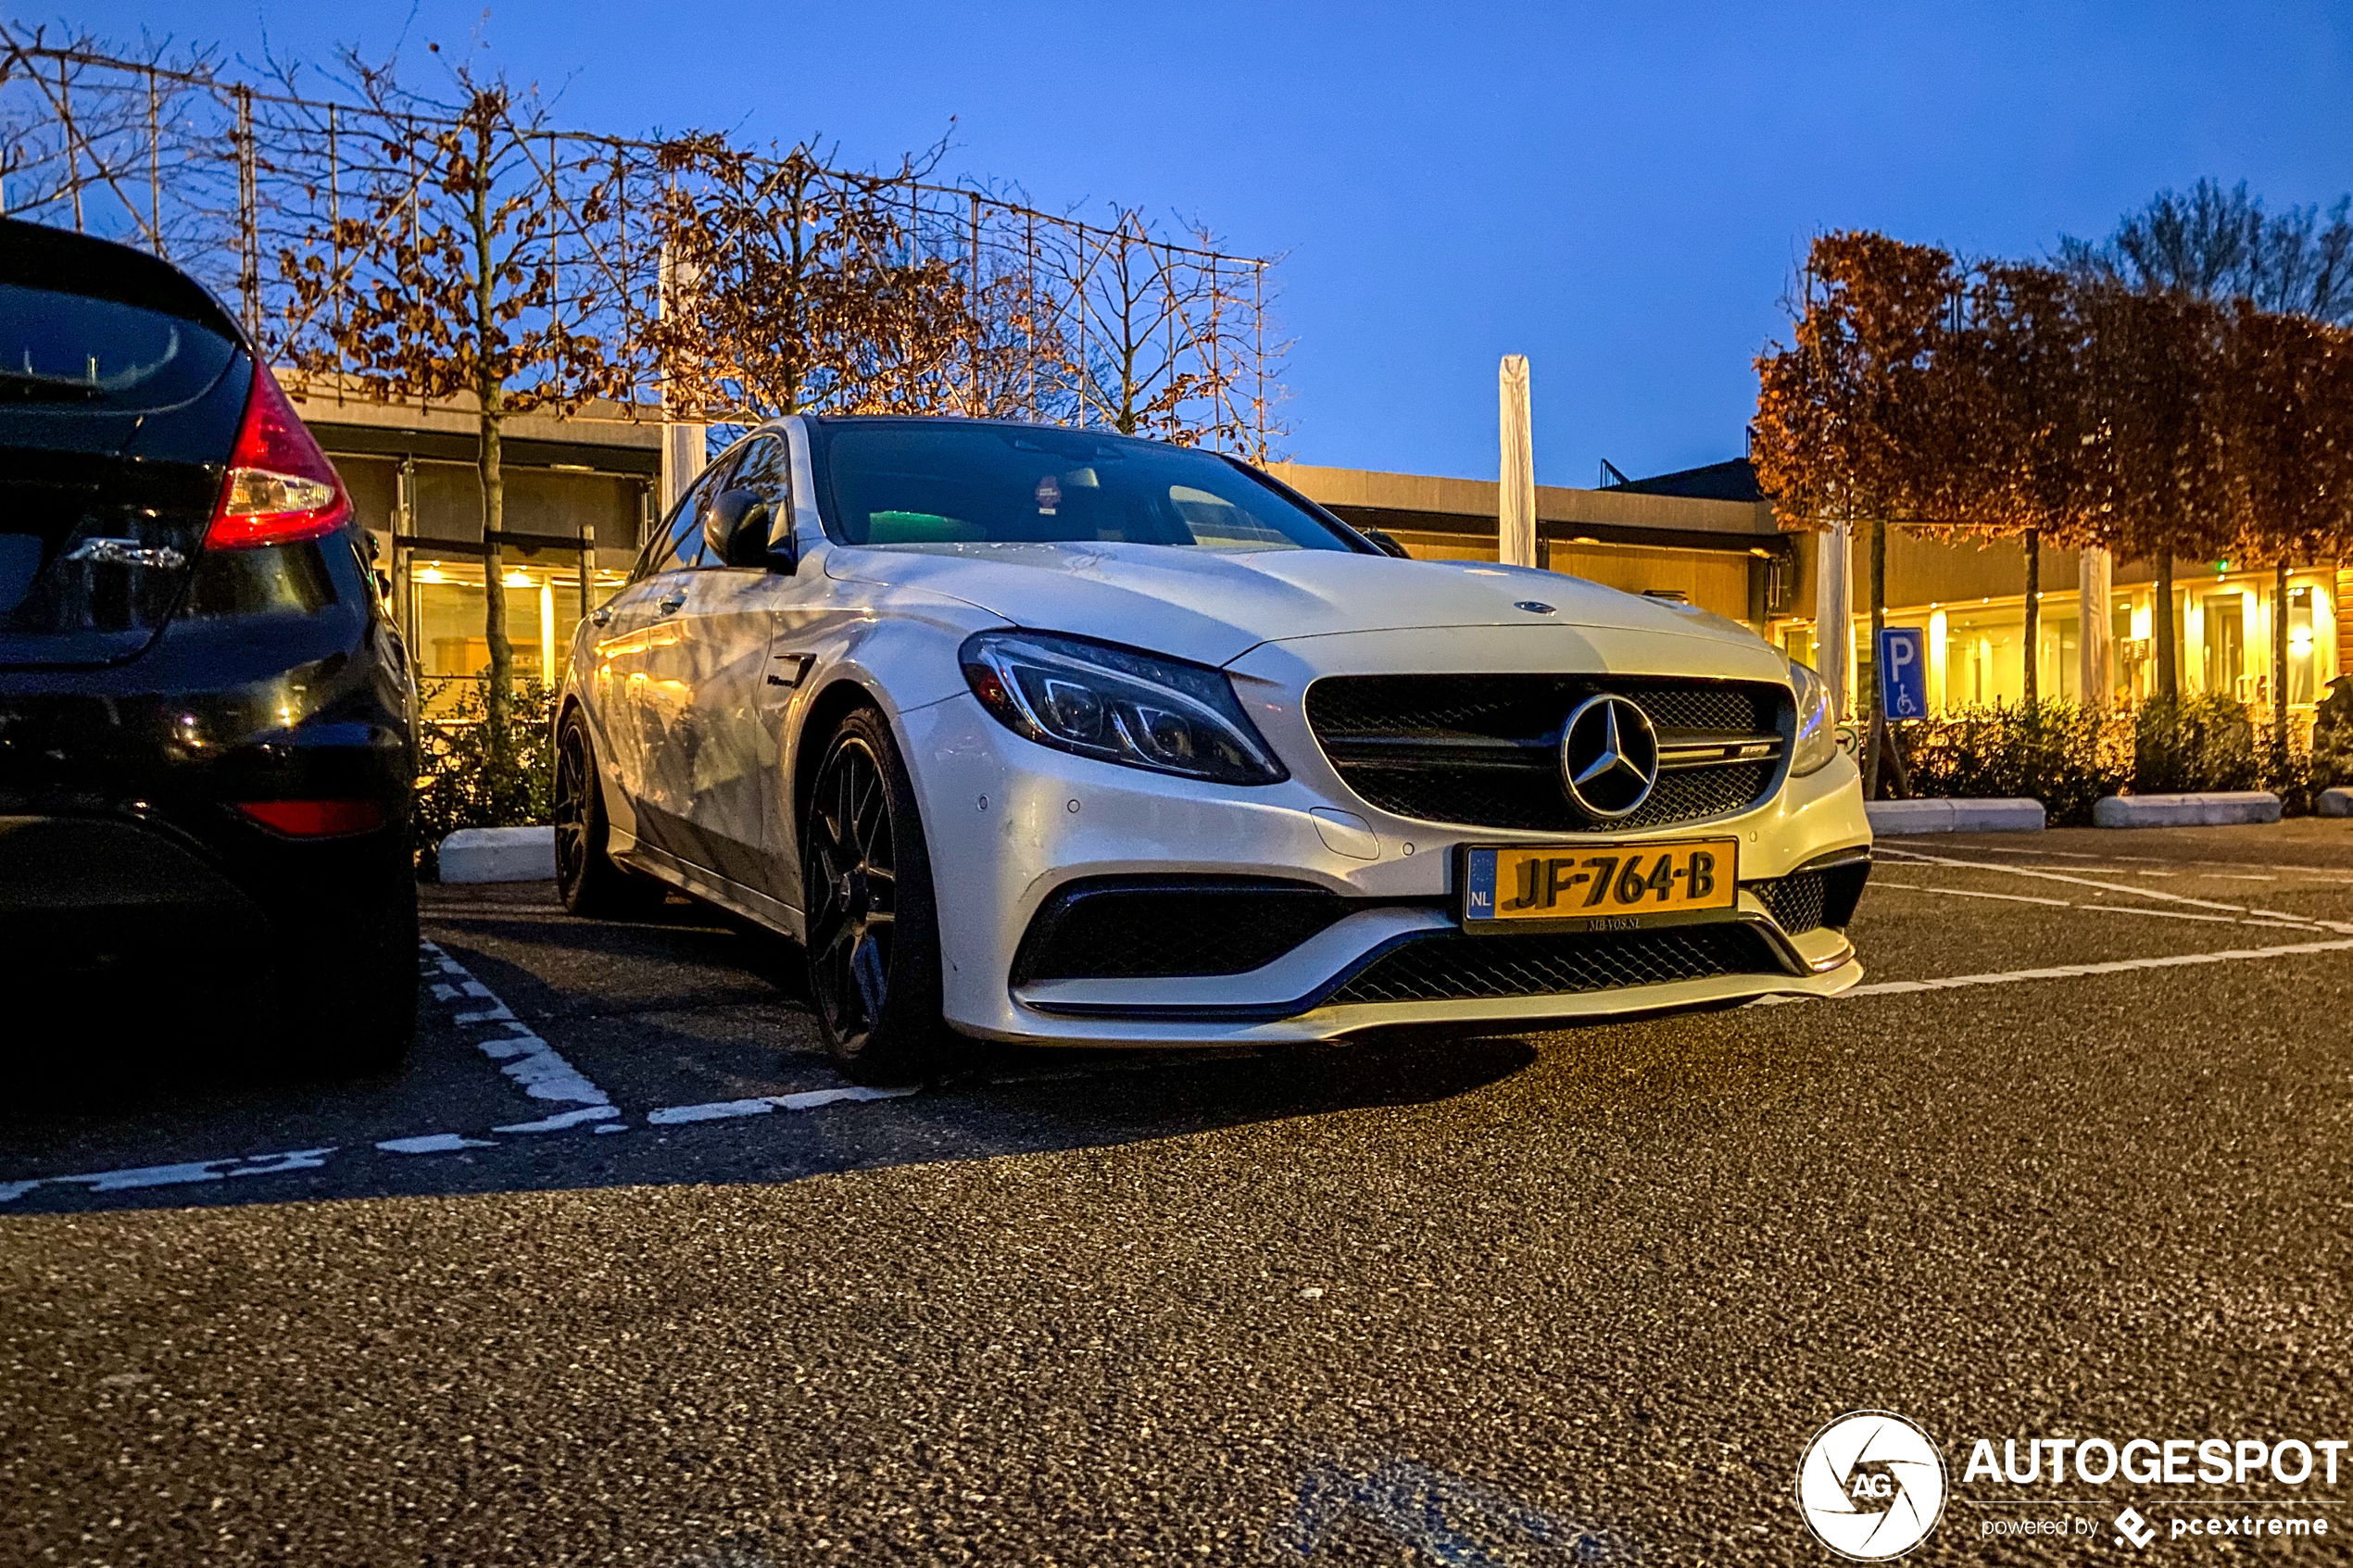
206 714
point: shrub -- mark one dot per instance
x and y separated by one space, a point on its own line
2197 742
2067 755
463 784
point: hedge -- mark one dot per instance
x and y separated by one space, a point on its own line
2067 755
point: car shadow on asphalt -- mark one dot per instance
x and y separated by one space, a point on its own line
695 1028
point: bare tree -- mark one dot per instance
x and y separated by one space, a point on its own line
2219 244
445 285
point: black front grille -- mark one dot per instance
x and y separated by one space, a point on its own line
1477 968
1534 800
1807 901
1795 902
1106 928
1483 751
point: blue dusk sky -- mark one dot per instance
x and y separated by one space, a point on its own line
1618 192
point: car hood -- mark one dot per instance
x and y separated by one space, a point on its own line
1212 606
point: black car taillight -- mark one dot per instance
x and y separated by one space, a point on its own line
281 488
315 819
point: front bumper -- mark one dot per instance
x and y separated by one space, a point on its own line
1007 822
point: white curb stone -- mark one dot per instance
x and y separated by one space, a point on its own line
1900 817
2336 803
2219 809
499 855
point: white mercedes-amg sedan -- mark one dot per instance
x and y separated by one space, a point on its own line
1049 735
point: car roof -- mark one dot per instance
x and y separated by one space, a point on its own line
968 419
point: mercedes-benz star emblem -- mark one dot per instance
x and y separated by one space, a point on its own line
1609 755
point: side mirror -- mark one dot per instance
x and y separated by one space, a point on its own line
736 534
1386 544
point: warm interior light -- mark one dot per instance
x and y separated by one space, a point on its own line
516 580
429 574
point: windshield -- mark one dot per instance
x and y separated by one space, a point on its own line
922 481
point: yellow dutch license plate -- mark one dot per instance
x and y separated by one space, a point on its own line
1602 888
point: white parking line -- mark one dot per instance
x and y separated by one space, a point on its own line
1918 858
2274 923
2340 876
180 1175
1964 893
531 1062
546 1075
433 1143
719 1110
2069 972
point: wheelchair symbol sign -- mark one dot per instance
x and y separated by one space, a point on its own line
1903 672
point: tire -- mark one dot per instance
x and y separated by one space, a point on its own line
587 879
874 928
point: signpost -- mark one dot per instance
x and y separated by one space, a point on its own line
1903 672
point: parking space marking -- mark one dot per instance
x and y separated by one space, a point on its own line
436 1143
2077 971
760 1105
181 1174
2337 876
1920 858
534 1064
543 1074
2271 923
1964 893
2283 924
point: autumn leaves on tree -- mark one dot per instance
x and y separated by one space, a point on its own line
2066 407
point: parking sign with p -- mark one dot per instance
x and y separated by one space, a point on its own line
1903 672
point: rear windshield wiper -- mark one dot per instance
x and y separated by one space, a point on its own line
21 386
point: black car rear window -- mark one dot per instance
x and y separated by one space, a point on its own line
948 482
67 349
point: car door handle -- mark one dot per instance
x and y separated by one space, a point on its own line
670 605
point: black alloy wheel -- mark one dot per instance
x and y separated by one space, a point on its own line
873 931
586 878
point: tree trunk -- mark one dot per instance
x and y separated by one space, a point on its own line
2169 677
2279 671
500 700
2033 615
1878 743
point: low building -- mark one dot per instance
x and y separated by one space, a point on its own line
580 494
1707 535
583 492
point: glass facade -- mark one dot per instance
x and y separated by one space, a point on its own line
2223 636
444 607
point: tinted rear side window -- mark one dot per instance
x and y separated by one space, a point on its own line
64 350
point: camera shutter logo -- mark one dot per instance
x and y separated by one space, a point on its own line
1871 1486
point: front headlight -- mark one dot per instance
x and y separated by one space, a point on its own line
1118 705
1816 733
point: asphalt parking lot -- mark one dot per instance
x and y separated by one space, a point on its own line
619 1272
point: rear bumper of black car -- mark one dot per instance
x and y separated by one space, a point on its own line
136 801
